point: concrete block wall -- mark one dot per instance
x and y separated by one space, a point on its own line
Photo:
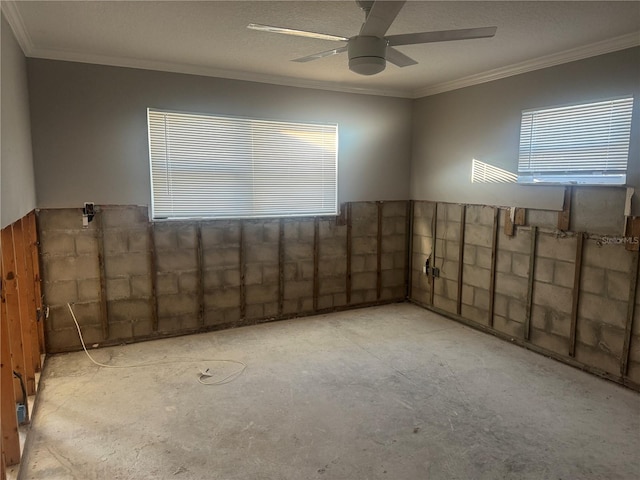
131 280
572 304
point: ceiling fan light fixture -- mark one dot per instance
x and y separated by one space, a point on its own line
367 55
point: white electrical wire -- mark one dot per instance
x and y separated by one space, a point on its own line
203 374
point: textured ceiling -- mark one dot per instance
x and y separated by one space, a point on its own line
211 38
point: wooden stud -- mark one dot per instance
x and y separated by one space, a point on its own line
379 253
532 269
104 311
200 286
631 305
9 422
492 280
153 273
281 240
564 217
34 246
520 217
509 226
408 263
316 261
575 297
23 285
241 266
463 219
12 318
632 234
32 313
434 225
349 248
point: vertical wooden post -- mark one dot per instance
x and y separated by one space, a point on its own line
23 285
492 281
463 219
575 295
408 261
530 284
281 241
200 255
34 243
349 248
241 265
12 318
316 261
104 313
434 226
631 305
32 304
153 272
9 422
379 253
564 217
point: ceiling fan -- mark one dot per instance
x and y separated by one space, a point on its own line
370 49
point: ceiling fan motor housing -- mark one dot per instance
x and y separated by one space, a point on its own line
367 54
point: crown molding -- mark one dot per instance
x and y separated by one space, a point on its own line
12 14
69 56
579 53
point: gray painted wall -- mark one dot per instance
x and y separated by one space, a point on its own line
90 129
483 122
17 189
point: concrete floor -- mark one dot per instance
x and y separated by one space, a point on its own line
392 392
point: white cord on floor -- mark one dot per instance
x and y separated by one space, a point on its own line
203 374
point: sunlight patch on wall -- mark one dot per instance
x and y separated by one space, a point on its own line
482 172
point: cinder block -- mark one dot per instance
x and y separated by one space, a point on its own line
602 309
543 271
61 292
89 290
188 282
221 257
611 340
592 280
501 305
559 248
297 251
476 276
128 264
363 281
475 315
542 218
394 208
550 342
128 310
339 299
520 265
306 230
559 323
333 248
393 243
517 310
475 234
68 338
503 262
54 242
140 286
187 238
330 285
386 262
70 268
481 215
261 253
306 270
452 250
483 257
520 242
587 332
445 303
423 245
290 271
61 219
502 324
325 301
169 324
166 284
86 243
595 357
618 285
175 261
165 237
564 273
115 241
364 245
271 310
138 240
175 305
253 233
552 296
393 278
539 318
118 288
255 311
120 330
253 274
449 270
469 254
87 313
294 290
212 235
467 295
422 226
223 298
261 294
481 299
123 216
512 286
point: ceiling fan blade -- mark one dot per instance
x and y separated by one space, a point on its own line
380 18
441 36
326 53
398 58
296 33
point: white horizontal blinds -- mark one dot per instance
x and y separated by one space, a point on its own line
584 140
208 166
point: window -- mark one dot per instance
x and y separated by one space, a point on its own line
225 167
577 144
